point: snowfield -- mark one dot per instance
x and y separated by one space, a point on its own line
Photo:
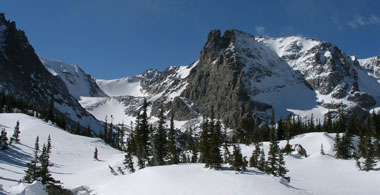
74 166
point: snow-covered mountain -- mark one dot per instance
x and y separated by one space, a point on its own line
24 77
243 76
73 164
77 81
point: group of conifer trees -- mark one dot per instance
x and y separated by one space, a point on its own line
368 151
15 138
38 167
152 145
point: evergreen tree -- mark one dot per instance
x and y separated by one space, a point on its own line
272 120
226 154
254 160
160 141
281 171
77 128
193 147
144 130
262 162
3 140
33 170
337 146
128 162
237 162
280 130
369 158
96 154
215 158
272 163
88 131
48 145
204 141
172 148
16 133
45 175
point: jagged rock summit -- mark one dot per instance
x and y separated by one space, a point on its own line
242 77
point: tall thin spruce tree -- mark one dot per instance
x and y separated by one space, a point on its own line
160 141
173 155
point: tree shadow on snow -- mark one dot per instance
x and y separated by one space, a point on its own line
14 156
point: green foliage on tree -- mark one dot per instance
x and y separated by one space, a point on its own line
237 163
3 140
160 141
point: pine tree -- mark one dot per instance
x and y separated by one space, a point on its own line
226 154
173 157
272 163
215 158
45 175
144 130
204 141
88 131
280 130
77 128
262 162
281 170
193 147
160 141
237 162
369 158
254 160
337 146
16 133
32 172
4 140
128 162
96 154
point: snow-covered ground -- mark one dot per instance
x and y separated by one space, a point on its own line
73 164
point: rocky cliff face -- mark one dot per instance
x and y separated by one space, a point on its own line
23 75
243 77
217 81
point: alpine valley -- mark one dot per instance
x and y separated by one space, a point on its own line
240 81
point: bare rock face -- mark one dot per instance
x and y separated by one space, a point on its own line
23 75
217 81
300 150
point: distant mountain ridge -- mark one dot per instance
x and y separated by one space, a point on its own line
241 76
23 75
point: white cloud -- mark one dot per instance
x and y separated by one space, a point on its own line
260 30
360 21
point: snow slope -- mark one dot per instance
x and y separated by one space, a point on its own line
323 174
76 80
72 155
73 164
121 87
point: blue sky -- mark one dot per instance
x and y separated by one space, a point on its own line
117 38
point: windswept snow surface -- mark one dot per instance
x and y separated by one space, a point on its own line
121 87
